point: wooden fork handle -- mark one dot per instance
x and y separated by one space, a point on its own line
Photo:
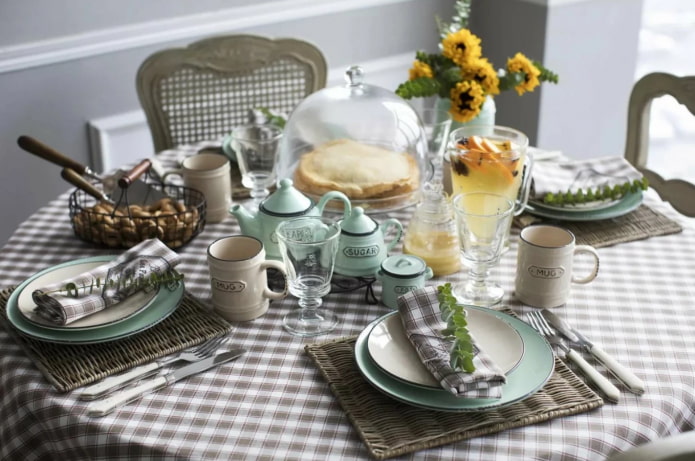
127 179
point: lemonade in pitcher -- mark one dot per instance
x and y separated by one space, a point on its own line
490 159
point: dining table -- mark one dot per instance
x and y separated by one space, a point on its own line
283 398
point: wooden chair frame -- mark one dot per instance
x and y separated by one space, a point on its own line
204 90
679 193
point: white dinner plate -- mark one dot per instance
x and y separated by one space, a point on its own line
156 309
124 310
577 207
391 350
532 372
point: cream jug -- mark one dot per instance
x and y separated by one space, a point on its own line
363 244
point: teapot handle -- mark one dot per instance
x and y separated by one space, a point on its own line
334 194
392 222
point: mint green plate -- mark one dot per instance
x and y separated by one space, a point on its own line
154 310
629 202
532 372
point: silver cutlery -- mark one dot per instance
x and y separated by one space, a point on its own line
633 383
538 322
106 406
113 383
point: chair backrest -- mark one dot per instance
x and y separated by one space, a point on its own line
204 90
679 193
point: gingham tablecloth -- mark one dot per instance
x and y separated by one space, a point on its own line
273 403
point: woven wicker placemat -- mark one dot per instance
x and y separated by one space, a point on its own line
390 428
69 366
640 224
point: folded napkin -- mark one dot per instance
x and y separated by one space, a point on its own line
594 174
69 300
423 324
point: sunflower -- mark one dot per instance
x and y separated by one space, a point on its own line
467 98
420 69
461 47
520 63
482 71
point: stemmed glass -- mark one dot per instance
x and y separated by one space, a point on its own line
481 219
437 124
309 246
256 148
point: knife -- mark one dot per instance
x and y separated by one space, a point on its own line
633 383
106 406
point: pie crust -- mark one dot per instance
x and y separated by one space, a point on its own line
358 170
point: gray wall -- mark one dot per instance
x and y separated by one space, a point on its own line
54 102
591 44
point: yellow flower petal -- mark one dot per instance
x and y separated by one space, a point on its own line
461 47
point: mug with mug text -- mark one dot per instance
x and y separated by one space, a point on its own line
238 278
544 265
211 175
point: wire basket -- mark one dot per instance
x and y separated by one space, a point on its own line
174 221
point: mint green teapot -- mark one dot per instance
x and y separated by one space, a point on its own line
283 204
362 245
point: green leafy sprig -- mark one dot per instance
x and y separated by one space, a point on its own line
462 352
598 193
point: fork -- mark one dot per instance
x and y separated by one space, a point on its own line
538 322
113 383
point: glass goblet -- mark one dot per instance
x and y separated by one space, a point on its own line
482 220
256 148
309 246
437 124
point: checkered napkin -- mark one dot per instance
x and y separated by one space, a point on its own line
422 321
559 177
106 285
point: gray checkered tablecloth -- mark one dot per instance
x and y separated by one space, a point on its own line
273 403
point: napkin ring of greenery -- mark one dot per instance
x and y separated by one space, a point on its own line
463 75
454 314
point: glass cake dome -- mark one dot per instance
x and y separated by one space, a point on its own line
360 139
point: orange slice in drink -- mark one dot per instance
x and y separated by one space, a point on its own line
487 164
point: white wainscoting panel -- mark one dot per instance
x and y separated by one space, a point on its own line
118 140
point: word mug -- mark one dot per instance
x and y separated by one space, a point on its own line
211 175
239 279
544 265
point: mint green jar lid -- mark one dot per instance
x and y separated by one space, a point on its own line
404 266
287 201
358 223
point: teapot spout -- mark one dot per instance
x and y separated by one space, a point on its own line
248 222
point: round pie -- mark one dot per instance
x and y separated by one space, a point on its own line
358 170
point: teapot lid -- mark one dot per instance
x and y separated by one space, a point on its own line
286 201
358 223
404 266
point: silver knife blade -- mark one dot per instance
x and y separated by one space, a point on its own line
106 406
560 325
633 383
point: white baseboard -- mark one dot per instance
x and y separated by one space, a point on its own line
125 138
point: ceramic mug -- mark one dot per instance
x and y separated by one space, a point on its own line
544 265
211 175
238 278
400 274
